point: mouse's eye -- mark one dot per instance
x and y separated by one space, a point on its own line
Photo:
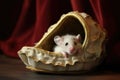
75 43
66 43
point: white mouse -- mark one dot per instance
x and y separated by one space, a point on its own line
67 44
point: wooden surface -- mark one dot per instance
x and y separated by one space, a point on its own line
14 69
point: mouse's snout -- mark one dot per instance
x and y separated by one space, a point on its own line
72 49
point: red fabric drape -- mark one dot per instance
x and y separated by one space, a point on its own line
23 22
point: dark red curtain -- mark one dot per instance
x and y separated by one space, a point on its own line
23 22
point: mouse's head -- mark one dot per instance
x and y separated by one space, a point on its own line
69 43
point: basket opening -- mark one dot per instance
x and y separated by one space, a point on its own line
69 25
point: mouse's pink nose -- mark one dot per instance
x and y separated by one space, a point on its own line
72 49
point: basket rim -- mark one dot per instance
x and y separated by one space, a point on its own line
74 14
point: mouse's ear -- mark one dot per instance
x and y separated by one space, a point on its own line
58 40
78 37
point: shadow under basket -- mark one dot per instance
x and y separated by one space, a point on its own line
41 58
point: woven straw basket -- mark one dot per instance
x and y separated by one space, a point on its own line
41 58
